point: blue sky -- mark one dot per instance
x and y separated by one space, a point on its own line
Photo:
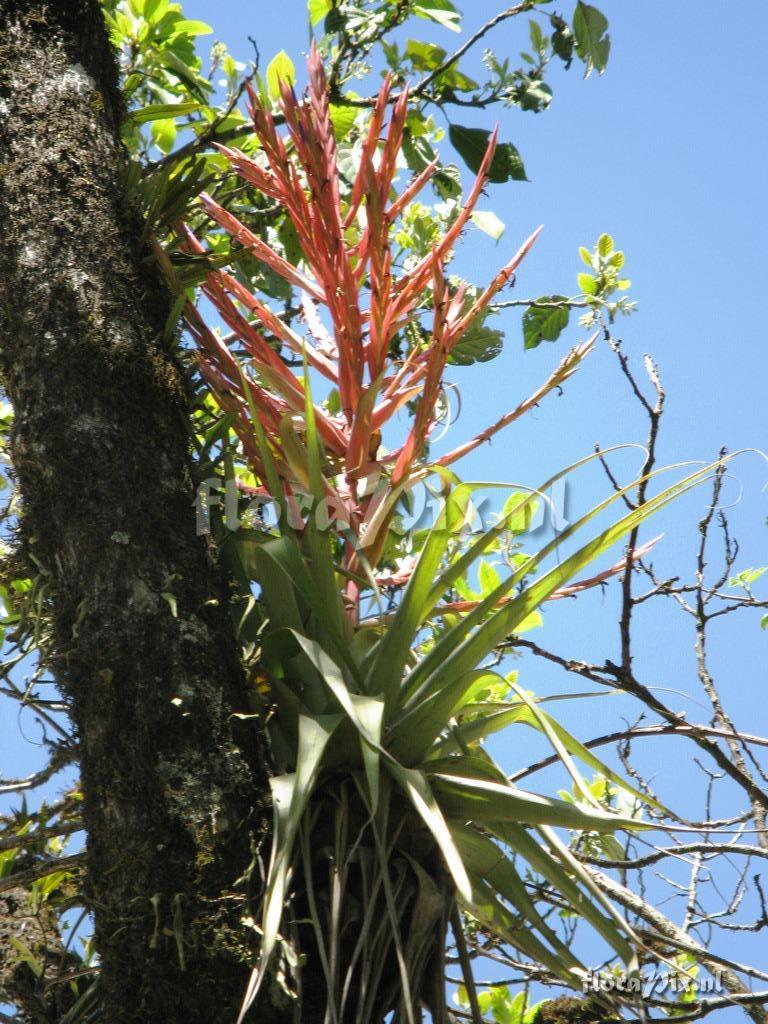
667 152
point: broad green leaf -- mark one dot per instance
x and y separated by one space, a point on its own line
544 323
318 10
154 10
562 39
197 85
605 245
441 11
488 222
478 344
187 27
335 21
587 283
593 44
164 134
424 56
343 118
280 69
471 144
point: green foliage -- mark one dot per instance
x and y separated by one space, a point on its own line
503 1007
472 143
279 70
593 44
604 280
746 578
545 320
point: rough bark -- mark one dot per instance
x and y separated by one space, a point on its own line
143 650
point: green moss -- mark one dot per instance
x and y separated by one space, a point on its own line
571 1010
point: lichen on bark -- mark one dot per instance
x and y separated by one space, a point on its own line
174 789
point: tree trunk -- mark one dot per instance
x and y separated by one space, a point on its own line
142 647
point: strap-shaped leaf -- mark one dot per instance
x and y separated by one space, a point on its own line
487 860
562 880
414 731
423 799
488 908
394 650
461 650
290 795
284 556
465 798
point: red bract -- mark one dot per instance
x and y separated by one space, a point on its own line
346 245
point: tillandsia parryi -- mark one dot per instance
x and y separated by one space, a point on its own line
376 724
354 305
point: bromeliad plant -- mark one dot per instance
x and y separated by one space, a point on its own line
389 814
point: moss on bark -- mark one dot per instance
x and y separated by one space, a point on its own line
173 794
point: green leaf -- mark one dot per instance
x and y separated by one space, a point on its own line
544 323
536 35
605 245
423 799
318 10
467 798
472 143
154 10
280 557
290 796
587 283
164 134
561 869
441 11
197 85
586 257
161 111
394 650
488 576
185 27
424 56
459 650
343 118
27 956
488 861
746 577
562 39
280 69
488 222
478 344
593 44
335 21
